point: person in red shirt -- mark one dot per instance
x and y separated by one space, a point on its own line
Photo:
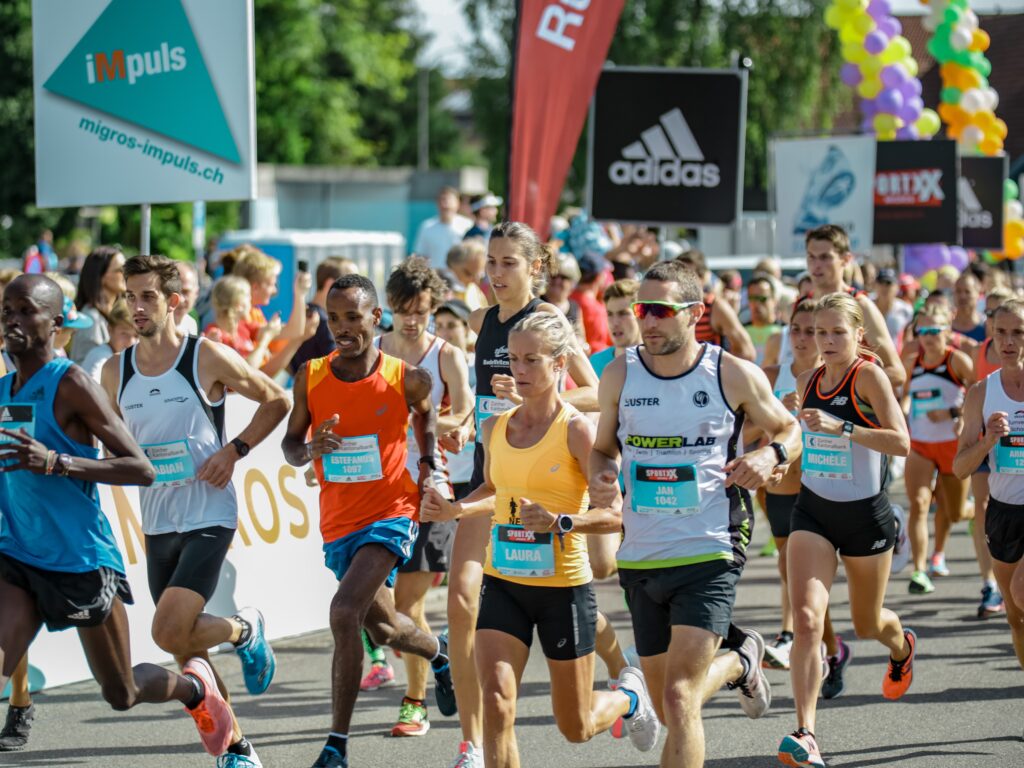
591 286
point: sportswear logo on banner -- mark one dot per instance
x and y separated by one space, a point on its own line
141 62
972 214
917 189
667 155
701 399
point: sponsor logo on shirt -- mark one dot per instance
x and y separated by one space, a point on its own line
663 442
640 402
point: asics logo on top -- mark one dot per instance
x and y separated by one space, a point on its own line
101 67
972 214
667 155
918 189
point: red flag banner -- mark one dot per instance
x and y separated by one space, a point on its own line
561 46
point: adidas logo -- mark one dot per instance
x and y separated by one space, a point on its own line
972 214
667 155
80 616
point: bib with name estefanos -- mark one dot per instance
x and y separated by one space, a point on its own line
356 461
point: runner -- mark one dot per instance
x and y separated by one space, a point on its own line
994 428
850 418
414 291
937 376
625 332
357 402
676 408
517 263
530 580
763 314
966 295
171 392
719 323
59 563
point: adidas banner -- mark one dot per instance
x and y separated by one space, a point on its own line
143 102
916 192
982 181
666 145
560 48
823 181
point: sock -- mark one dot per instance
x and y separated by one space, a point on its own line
786 636
634 702
374 651
245 634
241 747
991 583
411 700
439 660
745 662
198 695
338 742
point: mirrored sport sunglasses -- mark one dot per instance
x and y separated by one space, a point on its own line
659 309
760 299
930 330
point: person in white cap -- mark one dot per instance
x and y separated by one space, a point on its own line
485 213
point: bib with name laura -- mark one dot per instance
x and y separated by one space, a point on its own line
487 406
173 463
827 456
356 461
1009 453
516 551
15 417
669 490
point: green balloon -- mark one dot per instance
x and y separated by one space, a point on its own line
952 15
961 4
950 95
1010 189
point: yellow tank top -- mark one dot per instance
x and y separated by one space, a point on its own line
547 474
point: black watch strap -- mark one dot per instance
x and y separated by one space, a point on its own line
429 461
781 454
241 446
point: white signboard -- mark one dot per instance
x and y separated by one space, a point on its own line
143 102
823 181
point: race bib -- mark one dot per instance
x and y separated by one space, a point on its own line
15 416
781 393
665 490
516 551
357 461
1010 454
922 401
487 406
172 462
827 456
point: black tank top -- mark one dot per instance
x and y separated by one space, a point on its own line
842 402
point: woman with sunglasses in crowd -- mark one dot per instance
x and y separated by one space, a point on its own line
937 377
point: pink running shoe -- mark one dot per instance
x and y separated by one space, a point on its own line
212 716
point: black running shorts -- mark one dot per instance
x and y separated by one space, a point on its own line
779 511
855 528
68 599
699 595
433 548
1004 530
189 560
565 617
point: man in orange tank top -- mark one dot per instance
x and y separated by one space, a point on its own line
357 401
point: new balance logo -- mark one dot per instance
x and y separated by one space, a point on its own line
878 544
840 400
972 214
667 155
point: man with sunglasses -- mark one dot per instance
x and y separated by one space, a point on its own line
672 411
763 313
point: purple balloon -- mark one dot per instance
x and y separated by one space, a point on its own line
879 9
890 26
868 108
958 257
894 76
912 109
875 42
890 101
934 256
908 132
850 74
911 87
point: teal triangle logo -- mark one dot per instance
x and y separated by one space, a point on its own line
140 62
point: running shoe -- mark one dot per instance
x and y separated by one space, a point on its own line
920 584
469 757
14 736
212 716
901 673
901 552
755 692
776 654
331 758
643 727
800 750
833 686
770 549
444 689
991 605
937 565
412 719
231 760
379 676
618 729
258 662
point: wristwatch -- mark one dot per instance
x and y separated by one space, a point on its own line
429 461
848 428
241 447
780 453
565 524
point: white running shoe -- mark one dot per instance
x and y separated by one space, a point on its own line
469 757
643 727
755 691
776 655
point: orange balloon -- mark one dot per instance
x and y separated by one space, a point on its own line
958 118
970 78
1000 129
980 41
1014 229
946 111
990 146
948 72
985 120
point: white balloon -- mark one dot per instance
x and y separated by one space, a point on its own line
929 23
971 136
993 98
973 99
1014 210
969 20
960 39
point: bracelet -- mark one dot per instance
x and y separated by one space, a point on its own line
954 412
309 451
64 460
51 461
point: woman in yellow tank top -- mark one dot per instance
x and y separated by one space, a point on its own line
537 573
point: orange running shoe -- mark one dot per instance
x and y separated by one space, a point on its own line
901 673
212 716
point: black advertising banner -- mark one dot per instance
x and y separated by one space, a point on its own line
916 192
980 195
666 145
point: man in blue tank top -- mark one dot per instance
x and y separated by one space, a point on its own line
59 563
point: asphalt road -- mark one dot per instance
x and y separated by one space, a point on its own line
966 706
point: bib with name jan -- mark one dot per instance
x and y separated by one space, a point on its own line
1010 454
827 456
923 401
15 417
516 551
669 490
357 461
172 462
487 406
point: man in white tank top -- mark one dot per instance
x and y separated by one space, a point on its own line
677 409
170 390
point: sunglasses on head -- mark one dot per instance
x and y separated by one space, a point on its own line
760 299
930 330
659 309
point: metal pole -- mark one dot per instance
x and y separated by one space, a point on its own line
423 152
144 227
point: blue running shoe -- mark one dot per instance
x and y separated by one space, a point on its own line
331 758
258 663
231 760
991 602
444 689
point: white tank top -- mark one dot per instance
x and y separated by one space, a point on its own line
933 389
460 465
177 426
785 351
785 381
1006 481
677 434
